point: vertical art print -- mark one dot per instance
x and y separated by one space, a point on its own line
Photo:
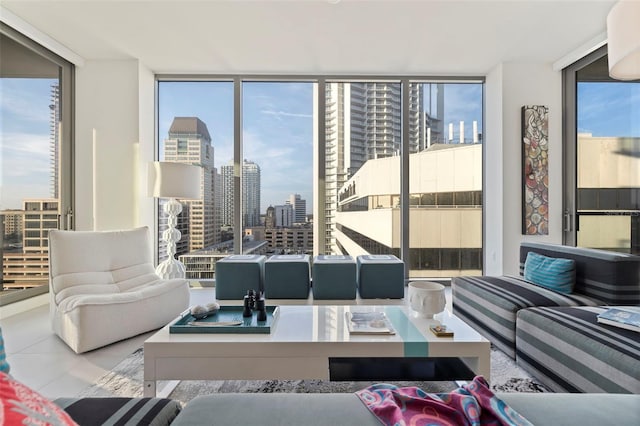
535 169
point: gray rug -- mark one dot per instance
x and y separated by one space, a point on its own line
126 380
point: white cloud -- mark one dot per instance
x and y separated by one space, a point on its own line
280 114
29 105
25 158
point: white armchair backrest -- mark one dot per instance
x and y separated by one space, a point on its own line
97 257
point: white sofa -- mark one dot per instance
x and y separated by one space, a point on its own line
103 287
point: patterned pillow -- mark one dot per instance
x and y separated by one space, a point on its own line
553 273
20 405
4 365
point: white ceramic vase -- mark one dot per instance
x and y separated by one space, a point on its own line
426 298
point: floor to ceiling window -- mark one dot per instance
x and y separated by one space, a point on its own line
195 126
277 167
330 166
445 182
35 151
603 161
362 167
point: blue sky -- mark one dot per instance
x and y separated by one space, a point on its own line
278 127
609 109
24 140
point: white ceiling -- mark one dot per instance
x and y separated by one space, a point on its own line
427 37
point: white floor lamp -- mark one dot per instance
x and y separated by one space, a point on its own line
173 180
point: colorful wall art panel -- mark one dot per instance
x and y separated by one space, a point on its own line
535 169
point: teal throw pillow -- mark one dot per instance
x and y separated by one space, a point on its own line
4 365
553 273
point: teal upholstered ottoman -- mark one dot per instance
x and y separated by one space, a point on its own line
380 276
334 277
238 273
286 276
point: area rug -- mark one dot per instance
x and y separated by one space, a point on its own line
126 380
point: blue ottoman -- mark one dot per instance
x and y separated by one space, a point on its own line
334 277
380 276
238 273
286 276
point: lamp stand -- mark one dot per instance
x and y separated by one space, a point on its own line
171 267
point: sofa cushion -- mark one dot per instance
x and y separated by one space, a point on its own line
553 273
21 405
490 304
569 351
121 411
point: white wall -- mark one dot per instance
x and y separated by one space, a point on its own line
146 148
493 175
116 98
509 87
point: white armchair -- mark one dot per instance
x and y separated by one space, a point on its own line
103 287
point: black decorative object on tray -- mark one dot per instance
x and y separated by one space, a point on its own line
253 302
228 319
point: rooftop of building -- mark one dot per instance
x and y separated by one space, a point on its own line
226 248
189 125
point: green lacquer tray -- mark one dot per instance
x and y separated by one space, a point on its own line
227 314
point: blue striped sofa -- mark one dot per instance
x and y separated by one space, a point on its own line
500 308
569 351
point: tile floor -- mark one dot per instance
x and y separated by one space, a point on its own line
39 359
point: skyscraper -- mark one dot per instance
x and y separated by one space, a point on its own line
299 208
226 173
189 142
250 193
54 125
283 215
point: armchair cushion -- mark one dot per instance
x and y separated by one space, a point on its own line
104 287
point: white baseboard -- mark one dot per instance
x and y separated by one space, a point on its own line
24 305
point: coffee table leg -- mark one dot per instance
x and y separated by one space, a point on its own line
479 365
150 388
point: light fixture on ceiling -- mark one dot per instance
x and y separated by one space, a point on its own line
623 39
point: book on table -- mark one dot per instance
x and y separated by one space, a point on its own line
623 318
369 323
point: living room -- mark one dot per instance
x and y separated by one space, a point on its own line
516 50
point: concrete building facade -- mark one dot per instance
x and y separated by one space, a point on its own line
445 215
30 266
299 208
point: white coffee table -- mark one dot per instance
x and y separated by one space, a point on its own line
301 344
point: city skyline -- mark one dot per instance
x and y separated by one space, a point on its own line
25 127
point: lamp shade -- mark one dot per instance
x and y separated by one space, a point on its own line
623 38
173 180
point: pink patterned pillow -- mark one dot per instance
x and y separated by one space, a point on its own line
20 404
